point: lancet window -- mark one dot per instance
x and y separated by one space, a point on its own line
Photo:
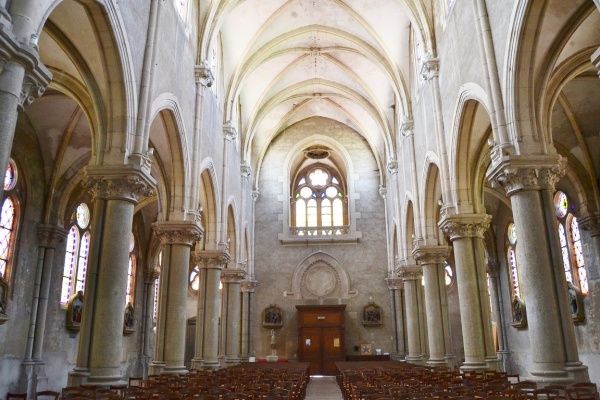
511 256
8 221
76 255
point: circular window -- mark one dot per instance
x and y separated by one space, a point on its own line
306 192
82 215
10 178
561 204
331 191
512 234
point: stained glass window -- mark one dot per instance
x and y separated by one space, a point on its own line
512 260
579 260
131 272
7 225
318 201
448 273
195 278
10 177
156 286
561 204
76 254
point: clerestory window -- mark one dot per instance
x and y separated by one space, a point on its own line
319 203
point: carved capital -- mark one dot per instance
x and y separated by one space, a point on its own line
430 67
248 286
410 272
431 254
246 170
151 276
392 167
255 194
31 89
119 182
407 127
211 259
591 223
394 283
203 74
229 131
465 225
382 191
232 275
50 236
178 232
531 172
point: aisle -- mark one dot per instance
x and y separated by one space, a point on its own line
323 388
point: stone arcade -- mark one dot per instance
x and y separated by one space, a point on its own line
177 167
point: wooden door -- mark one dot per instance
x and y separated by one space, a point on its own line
321 337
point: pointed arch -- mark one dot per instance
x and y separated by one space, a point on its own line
209 203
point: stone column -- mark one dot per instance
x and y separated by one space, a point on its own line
411 276
149 282
395 288
49 237
247 287
431 258
529 182
231 279
116 191
177 238
493 272
211 263
591 223
466 233
23 78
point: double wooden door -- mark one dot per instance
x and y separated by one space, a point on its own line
321 337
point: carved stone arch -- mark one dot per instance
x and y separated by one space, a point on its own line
321 276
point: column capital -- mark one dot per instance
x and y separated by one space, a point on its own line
382 191
50 236
407 126
255 194
410 272
128 182
431 254
203 74
229 131
394 283
430 67
178 232
591 223
530 172
211 259
151 275
248 285
232 275
460 226
245 170
392 167
596 56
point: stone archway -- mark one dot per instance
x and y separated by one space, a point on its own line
320 277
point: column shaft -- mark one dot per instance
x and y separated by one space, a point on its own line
411 277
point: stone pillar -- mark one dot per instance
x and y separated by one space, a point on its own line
49 237
147 317
247 287
395 288
116 191
231 279
23 78
493 272
466 233
177 239
529 182
591 223
211 263
431 258
411 276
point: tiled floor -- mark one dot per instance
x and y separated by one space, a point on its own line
323 388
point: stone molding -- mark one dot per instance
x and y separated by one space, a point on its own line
431 254
203 74
37 76
50 236
119 182
232 275
596 56
460 226
392 167
410 272
245 170
211 259
248 286
394 283
178 232
591 223
407 127
229 131
382 191
255 194
531 172
430 67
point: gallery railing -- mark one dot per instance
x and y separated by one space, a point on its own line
320 230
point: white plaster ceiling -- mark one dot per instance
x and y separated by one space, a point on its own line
285 61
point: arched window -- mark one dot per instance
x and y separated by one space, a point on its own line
195 279
156 285
76 255
8 222
570 243
449 274
511 255
319 204
130 297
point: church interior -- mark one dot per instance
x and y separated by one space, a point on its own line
195 184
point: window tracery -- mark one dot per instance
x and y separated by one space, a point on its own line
570 243
76 255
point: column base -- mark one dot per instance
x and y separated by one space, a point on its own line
214 364
197 363
474 366
493 363
232 360
414 359
450 361
175 370
156 368
33 377
272 358
107 380
571 373
78 377
144 366
503 356
244 358
436 362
